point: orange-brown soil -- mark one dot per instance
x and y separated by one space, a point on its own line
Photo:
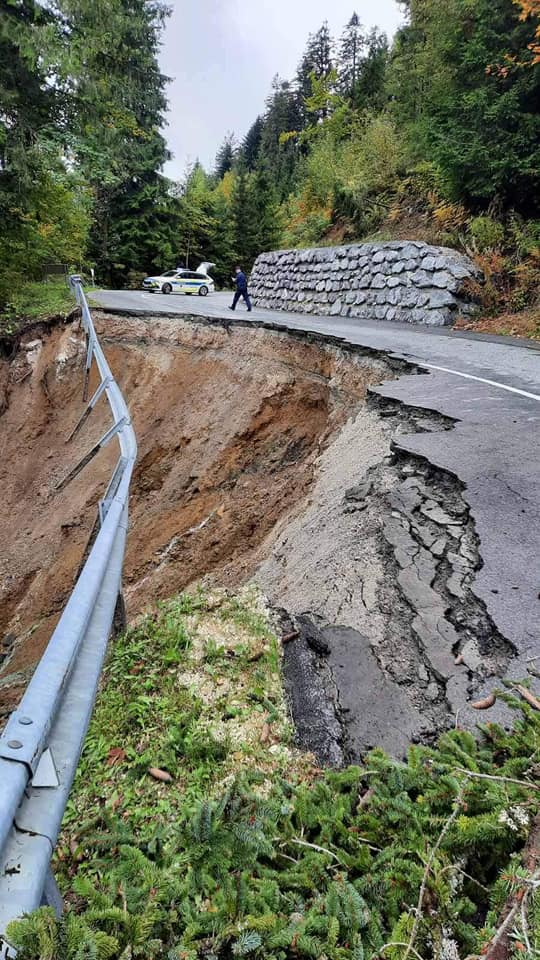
526 324
229 425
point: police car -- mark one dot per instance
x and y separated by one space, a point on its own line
182 281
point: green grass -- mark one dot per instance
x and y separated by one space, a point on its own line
187 690
248 849
34 301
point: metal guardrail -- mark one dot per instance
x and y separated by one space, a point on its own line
42 741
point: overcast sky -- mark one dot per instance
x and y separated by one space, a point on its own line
223 54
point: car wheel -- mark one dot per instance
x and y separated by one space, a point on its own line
166 288
203 291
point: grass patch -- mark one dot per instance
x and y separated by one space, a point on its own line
189 691
196 830
31 302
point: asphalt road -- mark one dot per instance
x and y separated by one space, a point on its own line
490 387
511 362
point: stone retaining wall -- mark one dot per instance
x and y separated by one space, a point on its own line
405 281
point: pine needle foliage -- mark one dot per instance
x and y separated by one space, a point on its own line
277 859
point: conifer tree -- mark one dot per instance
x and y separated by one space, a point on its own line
251 144
244 218
316 62
282 122
370 87
225 157
195 217
116 131
43 204
28 100
221 241
351 47
466 104
265 202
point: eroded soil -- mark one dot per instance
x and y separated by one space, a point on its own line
230 423
262 456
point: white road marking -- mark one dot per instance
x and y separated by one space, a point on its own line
423 363
470 376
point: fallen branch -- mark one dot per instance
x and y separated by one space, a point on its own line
524 925
528 696
397 943
286 857
365 799
498 947
312 846
457 807
453 866
491 776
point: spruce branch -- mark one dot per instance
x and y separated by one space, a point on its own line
454 866
399 943
498 779
312 846
448 823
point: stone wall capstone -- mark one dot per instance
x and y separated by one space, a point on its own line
403 281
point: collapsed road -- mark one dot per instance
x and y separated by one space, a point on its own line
388 510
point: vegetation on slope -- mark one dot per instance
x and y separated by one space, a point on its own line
81 106
435 136
235 844
33 301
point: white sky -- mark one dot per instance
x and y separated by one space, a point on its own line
223 54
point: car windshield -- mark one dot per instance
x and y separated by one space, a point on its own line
170 273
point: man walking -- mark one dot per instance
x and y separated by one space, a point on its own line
241 289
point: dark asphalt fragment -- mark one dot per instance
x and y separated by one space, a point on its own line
313 636
311 695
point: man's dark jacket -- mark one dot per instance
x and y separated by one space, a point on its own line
241 282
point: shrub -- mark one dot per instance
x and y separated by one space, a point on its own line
485 233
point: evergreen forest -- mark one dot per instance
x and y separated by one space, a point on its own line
433 136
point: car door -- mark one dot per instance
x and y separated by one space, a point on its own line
179 285
194 282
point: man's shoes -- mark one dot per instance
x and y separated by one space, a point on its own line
231 308
249 309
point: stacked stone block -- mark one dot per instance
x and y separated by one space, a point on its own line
404 281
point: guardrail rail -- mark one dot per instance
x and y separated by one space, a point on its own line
43 738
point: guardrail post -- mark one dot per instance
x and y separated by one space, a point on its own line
105 439
51 896
89 354
91 404
120 617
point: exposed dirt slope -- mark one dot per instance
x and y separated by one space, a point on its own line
229 423
261 456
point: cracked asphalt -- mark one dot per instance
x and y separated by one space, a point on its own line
490 388
510 361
